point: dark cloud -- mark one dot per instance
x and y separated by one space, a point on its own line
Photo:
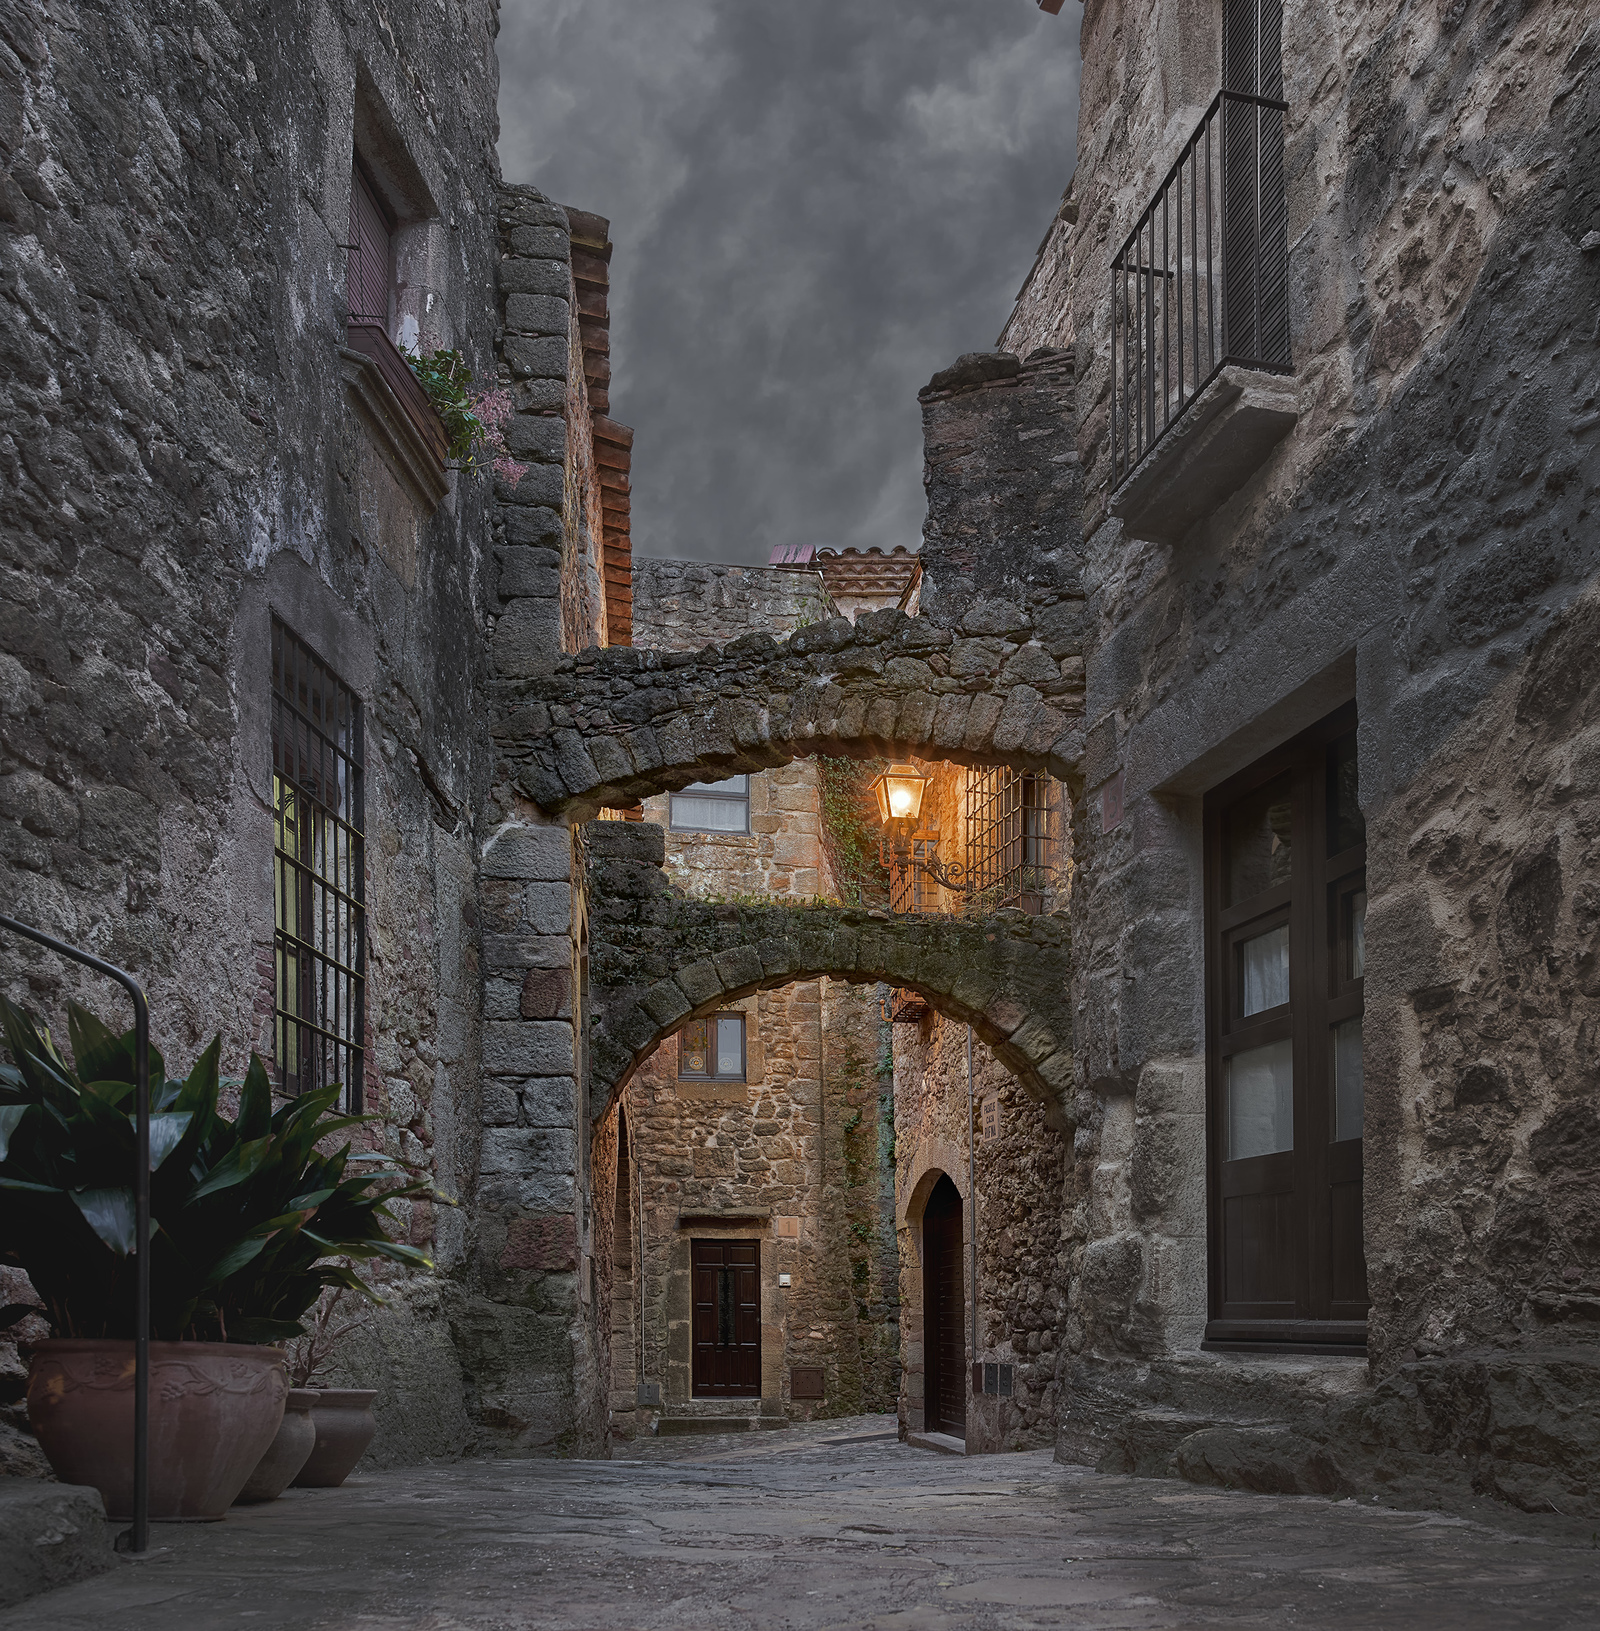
815 204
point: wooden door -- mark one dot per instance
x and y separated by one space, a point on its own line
727 1319
1286 916
943 1313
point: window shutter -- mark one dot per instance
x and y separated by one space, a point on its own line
370 239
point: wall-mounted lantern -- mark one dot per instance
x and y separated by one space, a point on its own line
899 790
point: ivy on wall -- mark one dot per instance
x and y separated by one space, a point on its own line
850 830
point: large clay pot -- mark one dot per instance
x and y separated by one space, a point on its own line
214 1409
345 1427
288 1452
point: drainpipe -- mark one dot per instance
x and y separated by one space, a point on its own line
972 1202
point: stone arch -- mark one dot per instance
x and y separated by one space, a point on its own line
936 1159
611 726
658 960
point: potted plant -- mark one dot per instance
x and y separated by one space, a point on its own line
246 1216
343 1421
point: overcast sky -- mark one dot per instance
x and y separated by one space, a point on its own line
815 205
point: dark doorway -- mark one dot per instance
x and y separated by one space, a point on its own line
1286 909
727 1319
943 1310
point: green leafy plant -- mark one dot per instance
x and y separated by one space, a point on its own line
446 380
246 1214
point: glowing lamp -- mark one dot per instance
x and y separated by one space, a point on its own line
899 791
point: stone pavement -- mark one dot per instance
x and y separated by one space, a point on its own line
832 1525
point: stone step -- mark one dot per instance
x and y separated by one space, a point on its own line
944 1443
50 1535
672 1425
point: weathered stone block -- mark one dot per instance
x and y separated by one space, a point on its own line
537 314
540 854
528 1047
527 275
523 1152
527 639
537 359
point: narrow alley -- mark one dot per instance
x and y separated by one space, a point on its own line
831 1524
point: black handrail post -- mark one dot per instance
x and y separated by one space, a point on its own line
139 1536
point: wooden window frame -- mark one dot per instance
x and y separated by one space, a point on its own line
1319 1171
711 1074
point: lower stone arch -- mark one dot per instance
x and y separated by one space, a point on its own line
1007 977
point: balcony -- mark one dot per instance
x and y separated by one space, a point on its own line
1200 325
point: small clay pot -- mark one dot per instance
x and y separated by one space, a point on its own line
287 1453
345 1427
214 1409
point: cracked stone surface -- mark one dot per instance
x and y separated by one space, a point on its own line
831 1525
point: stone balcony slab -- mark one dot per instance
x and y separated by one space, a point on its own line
1222 439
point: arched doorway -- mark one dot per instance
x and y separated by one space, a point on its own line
943 1310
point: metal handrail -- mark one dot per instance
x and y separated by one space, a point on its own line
139 1536
1173 323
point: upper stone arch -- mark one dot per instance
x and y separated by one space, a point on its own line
657 960
612 726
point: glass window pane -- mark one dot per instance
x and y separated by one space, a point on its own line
1348 1113
692 1050
1266 970
1358 934
1261 1101
1346 824
734 784
1257 842
730 1044
711 815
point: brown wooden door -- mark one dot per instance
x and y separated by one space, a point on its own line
727 1319
1286 910
943 1313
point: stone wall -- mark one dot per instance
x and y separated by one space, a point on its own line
1001 473
184 455
1417 543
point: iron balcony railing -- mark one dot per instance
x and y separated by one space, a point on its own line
1203 279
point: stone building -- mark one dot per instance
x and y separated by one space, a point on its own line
1334 844
252 602
762 1168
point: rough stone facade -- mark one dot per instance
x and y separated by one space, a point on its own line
791 1154
1421 543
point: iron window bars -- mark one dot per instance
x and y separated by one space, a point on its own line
1010 836
911 889
319 873
1203 279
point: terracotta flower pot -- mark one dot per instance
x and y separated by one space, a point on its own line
214 1409
345 1427
287 1453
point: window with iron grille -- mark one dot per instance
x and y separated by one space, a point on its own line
319 867
1010 841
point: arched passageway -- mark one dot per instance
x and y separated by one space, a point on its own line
657 961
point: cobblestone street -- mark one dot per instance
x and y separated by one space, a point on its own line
830 1526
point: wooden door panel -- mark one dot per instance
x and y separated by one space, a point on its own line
1259 1256
944 1310
726 1321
